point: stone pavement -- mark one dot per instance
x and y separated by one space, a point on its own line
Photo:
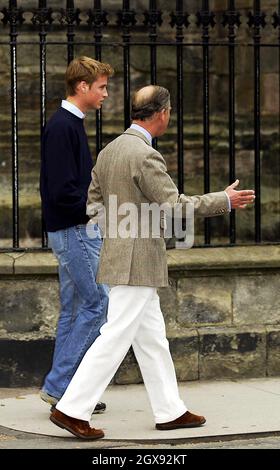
233 408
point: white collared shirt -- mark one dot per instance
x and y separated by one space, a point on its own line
144 131
72 108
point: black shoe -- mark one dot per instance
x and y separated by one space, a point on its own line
100 408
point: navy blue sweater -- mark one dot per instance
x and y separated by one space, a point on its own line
65 171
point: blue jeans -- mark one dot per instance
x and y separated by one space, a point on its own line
83 303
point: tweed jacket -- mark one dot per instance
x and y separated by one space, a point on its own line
132 171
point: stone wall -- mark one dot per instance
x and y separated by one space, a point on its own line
29 110
222 313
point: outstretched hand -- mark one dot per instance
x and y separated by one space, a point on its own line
239 199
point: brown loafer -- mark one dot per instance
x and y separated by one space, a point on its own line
187 420
78 427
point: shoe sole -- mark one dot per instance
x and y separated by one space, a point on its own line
99 412
169 428
49 401
53 402
80 436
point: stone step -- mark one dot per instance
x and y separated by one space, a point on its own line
210 353
221 312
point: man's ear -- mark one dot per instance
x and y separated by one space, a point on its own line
162 113
83 87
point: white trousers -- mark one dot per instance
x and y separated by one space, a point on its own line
134 318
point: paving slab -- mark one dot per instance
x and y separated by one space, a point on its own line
264 256
36 263
232 408
6 264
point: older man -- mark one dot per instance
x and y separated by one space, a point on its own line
135 174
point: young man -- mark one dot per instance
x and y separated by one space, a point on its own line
130 169
65 177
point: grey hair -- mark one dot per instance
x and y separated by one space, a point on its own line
144 107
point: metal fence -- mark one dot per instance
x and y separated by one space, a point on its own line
127 20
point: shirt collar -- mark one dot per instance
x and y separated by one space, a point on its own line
72 108
144 131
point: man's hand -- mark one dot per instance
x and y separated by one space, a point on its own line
239 199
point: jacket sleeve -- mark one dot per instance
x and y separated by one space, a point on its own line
95 207
157 186
61 170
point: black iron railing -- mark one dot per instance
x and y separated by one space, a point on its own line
149 22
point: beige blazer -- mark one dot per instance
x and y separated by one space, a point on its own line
132 170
